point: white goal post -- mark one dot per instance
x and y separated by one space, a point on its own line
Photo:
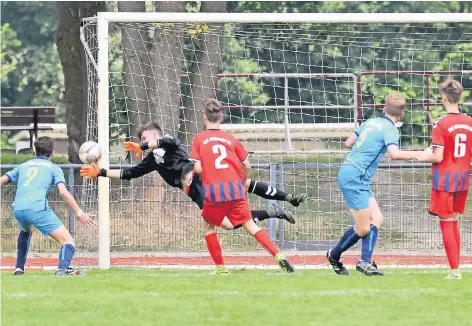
104 19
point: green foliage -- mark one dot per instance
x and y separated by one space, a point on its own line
7 158
4 142
245 91
33 75
10 49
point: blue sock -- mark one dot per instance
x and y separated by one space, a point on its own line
368 243
65 256
24 239
349 239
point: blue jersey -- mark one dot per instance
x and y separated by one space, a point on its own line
34 179
374 136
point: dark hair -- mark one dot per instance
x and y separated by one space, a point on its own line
452 89
395 104
213 109
44 146
153 125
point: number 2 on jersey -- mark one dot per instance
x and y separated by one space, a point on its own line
460 146
30 174
220 149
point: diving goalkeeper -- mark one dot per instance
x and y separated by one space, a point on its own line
168 157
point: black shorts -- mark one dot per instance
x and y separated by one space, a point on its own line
195 190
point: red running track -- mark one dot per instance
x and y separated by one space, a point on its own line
385 260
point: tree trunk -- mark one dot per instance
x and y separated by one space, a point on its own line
206 65
152 66
166 62
136 69
72 56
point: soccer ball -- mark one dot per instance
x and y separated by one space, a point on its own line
90 152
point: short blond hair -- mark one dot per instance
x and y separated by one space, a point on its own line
213 109
395 104
452 89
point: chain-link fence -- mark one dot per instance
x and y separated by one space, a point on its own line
159 218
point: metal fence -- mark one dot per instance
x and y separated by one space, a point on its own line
152 217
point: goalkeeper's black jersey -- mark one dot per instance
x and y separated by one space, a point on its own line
171 161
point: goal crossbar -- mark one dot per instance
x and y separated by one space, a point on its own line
322 18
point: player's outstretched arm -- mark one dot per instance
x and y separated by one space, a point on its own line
92 171
396 154
69 199
432 155
140 169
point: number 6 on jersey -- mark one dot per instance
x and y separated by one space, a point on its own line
221 150
460 142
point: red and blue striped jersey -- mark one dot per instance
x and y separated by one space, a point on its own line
453 132
220 155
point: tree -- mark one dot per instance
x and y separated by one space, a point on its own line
33 75
152 67
205 64
10 48
72 56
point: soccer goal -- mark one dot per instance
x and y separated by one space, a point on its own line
294 86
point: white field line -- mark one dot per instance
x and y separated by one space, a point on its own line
328 293
238 267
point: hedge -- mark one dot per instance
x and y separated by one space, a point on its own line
7 158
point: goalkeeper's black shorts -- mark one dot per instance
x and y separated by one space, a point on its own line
195 190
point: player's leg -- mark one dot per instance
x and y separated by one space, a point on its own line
273 212
366 265
459 203
24 239
350 237
356 195
214 214
214 248
193 188
370 240
63 237
456 274
240 214
442 205
266 191
48 223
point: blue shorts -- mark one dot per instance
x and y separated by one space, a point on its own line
45 221
354 186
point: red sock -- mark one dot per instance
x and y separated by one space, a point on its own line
263 238
450 244
214 248
457 235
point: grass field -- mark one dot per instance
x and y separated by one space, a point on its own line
192 297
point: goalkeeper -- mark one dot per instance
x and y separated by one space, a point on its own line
168 157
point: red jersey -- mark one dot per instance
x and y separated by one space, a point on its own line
221 156
453 132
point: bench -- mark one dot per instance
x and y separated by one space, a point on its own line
27 118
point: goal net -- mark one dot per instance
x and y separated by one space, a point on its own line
292 93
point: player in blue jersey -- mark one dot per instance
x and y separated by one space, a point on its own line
34 178
370 142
